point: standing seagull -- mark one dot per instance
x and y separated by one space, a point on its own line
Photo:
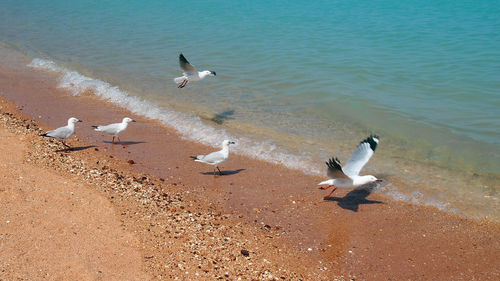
190 73
114 129
349 175
217 157
63 133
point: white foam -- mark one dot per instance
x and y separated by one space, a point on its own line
416 197
189 126
192 128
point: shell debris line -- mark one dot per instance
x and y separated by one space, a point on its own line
181 237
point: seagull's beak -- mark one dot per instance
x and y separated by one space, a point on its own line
232 142
80 121
213 72
133 120
379 180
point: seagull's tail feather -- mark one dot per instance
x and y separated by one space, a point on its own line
179 80
96 128
327 182
44 135
194 157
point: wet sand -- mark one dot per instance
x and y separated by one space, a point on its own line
356 234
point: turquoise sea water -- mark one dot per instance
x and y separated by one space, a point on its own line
306 79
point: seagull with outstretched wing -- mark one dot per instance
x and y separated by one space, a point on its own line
348 176
190 73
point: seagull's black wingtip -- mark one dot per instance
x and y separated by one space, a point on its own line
334 163
372 140
182 59
193 157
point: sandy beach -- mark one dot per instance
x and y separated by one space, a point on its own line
90 214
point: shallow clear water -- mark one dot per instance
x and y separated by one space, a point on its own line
305 80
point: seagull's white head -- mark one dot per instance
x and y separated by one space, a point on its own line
371 178
127 120
226 143
206 73
73 120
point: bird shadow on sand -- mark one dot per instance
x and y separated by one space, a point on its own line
353 199
78 148
126 142
224 173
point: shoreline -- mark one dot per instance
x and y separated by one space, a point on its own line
473 194
398 239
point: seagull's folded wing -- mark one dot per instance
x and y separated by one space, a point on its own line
61 133
111 128
360 156
214 157
186 66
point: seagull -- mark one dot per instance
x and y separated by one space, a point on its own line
190 73
114 129
349 175
63 133
217 157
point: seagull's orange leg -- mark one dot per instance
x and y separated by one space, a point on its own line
183 84
68 148
124 145
326 197
113 141
64 143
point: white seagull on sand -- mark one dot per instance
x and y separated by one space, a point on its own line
114 129
190 73
348 176
217 157
63 133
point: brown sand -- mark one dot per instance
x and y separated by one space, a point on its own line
179 237
276 210
55 227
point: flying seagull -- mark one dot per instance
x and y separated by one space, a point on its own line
63 133
114 129
217 157
190 73
348 176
